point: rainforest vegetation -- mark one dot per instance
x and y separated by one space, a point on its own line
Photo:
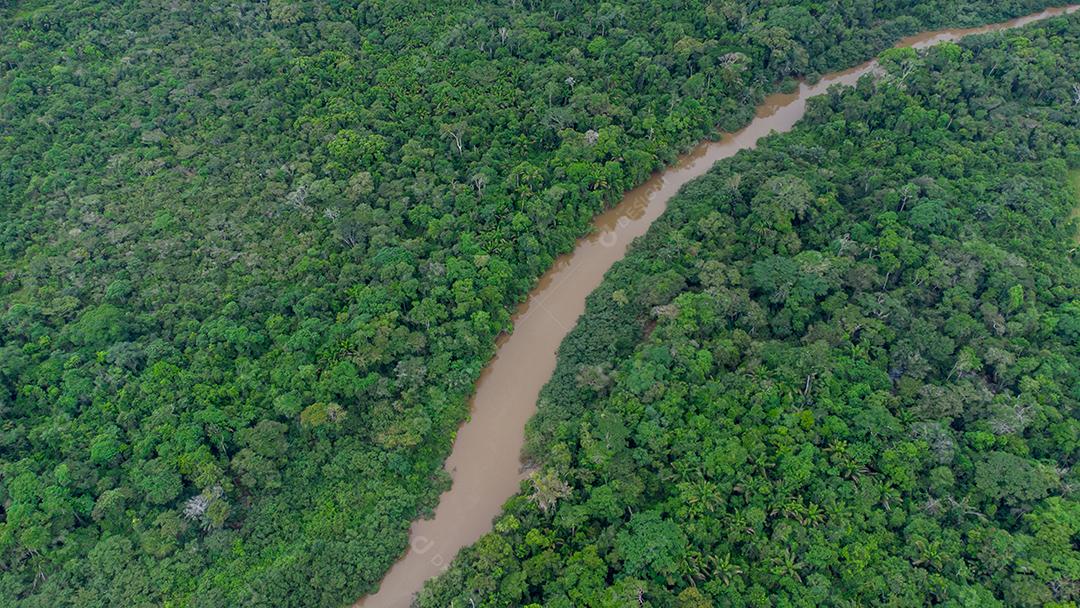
254 255
841 370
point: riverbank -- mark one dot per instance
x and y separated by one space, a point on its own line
484 463
773 384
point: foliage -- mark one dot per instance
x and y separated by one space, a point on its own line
864 388
255 254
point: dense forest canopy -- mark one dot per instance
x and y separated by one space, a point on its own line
842 370
1075 176
254 255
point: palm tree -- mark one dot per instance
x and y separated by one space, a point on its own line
726 570
929 553
786 564
701 497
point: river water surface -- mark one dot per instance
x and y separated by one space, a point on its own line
485 460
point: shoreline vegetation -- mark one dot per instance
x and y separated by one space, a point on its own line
841 368
256 256
508 391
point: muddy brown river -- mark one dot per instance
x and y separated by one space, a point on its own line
485 460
